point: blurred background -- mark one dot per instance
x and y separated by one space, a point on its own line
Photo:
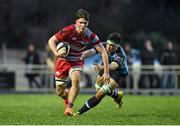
151 40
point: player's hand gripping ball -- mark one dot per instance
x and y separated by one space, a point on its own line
63 48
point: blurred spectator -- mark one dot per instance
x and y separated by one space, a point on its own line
148 56
48 59
130 56
133 58
31 58
128 50
168 57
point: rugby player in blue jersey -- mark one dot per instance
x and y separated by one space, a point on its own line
117 68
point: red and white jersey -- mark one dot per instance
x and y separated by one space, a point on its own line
77 42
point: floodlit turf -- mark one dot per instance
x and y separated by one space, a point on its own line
47 109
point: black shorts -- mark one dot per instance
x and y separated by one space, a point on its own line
115 75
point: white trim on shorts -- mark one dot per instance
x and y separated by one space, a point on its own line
75 68
60 81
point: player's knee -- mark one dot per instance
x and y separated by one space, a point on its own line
106 88
97 87
75 87
75 83
60 91
75 76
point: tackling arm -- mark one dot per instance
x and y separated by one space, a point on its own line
100 48
112 66
88 53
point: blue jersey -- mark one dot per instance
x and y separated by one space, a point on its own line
121 59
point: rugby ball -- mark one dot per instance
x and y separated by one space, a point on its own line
63 48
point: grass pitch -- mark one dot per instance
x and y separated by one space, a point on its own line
48 109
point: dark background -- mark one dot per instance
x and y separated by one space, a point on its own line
24 21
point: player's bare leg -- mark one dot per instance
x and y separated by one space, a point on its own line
62 92
117 96
66 100
98 83
74 90
92 102
106 89
95 100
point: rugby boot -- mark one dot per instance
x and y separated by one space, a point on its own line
118 100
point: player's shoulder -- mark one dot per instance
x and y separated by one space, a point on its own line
121 51
69 28
88 32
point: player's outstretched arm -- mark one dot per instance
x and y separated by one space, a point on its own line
112 66
88 53
100 48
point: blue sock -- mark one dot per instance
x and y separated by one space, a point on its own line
113 94
93 101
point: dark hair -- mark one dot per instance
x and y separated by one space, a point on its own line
81 13
116 37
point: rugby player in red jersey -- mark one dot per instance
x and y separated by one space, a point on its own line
77 36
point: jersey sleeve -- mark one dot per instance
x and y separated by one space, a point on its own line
93 37
96 50
120 57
